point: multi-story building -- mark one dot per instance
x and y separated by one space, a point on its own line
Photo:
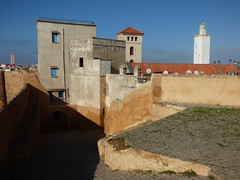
69 54
133 39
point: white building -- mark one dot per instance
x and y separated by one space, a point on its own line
202 46
133 40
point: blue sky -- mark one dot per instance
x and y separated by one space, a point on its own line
169 25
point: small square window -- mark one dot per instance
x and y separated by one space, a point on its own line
128 38
81 62
136 38
132 38
55 38
54 72
61 94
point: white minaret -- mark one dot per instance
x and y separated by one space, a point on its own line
202 46
12 58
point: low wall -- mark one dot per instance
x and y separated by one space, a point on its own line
221 90
136 108
136 160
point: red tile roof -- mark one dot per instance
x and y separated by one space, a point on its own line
206 69
130 30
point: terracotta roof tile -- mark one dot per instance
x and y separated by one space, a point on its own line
206 69
131 30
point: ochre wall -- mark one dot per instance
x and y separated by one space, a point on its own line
149 101
220 90
136 108
20 118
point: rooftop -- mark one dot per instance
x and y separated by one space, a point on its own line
131 30
64 21
205 69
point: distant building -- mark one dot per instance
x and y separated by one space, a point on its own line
12 58
202 46
133 40
187 69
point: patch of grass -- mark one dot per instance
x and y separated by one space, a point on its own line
168 172
210 177
190 173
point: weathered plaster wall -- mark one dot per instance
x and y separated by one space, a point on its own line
148 102
118 86
136 107
55 54
20 119
110 49
136 160
199 90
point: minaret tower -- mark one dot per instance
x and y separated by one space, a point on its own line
133 40
202 46
12 58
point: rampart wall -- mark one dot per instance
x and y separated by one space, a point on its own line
150 101
20 118
221 90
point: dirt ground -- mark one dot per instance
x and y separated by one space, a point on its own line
207 135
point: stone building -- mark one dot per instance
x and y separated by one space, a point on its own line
133 40
72 60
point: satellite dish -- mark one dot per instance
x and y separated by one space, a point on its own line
196 73
148 70
188 72
165 72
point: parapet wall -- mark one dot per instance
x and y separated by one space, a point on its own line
221 90
149 102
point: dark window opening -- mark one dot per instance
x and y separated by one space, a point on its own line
128 38
61 94
136 38
131 50
55 38
131 61
80 62
132 38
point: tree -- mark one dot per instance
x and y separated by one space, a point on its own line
214 62
219 62
230 61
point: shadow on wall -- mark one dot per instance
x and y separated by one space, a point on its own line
28 114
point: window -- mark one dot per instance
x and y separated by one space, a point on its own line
132 38
61 94
131 61
131 50
136 38
81 62
128 38
55 37
54 71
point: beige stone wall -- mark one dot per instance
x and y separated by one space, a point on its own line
118 86
136 108
148 102
135 160
220 90
20 118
